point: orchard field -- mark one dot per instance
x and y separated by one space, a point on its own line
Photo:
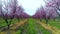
31 26
29 16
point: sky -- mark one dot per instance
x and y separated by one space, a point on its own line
31 6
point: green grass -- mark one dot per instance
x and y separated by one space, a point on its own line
18 32
53 23
45 31
3 23
33 24
31 28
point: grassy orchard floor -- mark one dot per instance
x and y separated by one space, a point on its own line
34 28
2 22
48 26
53 23
43 30
14 26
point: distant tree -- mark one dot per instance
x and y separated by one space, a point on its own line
46 13
18 13
55 4
40 13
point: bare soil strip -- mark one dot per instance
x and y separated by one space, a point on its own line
14 26
51 28
30 23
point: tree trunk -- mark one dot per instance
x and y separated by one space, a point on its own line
8 24
18 19
46 21
40 19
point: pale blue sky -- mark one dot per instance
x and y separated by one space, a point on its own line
31 6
